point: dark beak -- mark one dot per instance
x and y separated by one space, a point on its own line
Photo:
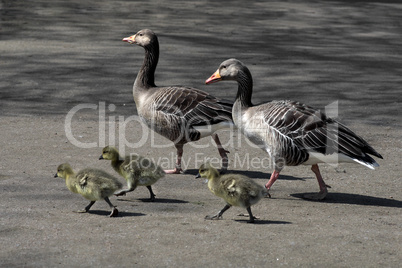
101 157
55 175
198 176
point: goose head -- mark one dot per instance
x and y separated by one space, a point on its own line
142 38
230 69
109 153
64 170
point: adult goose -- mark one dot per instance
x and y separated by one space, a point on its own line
291 132
180 114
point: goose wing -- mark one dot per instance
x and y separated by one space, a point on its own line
182 108
311 130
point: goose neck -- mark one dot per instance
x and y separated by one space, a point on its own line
245 89
146 75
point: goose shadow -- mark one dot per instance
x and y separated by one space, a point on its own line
157 200
250 174
121 213
354 199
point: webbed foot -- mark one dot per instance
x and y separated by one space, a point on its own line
213 217
114 212
123 192
81 211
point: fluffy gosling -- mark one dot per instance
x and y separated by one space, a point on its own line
137 170
93 184
237 190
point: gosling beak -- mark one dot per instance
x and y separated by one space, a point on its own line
216 77
55 175
130 39
198 176
101 157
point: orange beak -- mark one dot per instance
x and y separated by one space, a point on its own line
130 39
216 77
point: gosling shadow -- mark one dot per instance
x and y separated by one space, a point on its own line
257 222
354 199
157 200
121 213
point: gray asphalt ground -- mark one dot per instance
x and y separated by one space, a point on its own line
55 55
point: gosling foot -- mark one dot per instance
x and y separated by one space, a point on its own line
244 215
81 211
122 192
86 209
251 220
213 217
219 215
114 213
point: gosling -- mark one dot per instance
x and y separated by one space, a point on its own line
93 184
237 190
137 170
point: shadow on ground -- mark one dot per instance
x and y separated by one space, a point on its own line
157 200
121 213
355 199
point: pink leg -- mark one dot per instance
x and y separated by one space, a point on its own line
177 169
222 153
323 187
274 177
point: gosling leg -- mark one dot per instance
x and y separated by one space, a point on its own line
152 199
177 169
114 212
86 209
222 153
219 215
131 185
252 218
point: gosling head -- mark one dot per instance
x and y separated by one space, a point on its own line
109 153
230 69
207 171
63 171
142 38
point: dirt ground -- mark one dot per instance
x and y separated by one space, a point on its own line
65 91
